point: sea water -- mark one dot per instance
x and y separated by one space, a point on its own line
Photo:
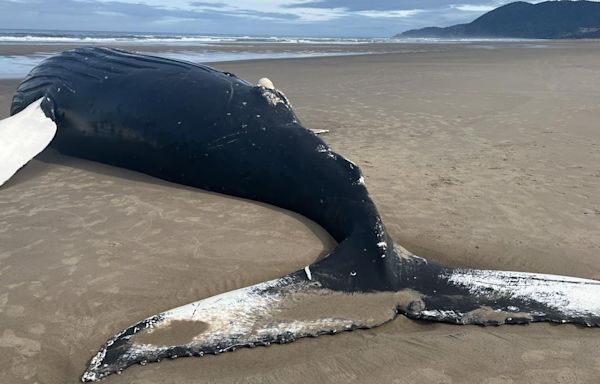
197 48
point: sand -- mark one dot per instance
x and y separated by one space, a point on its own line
476 157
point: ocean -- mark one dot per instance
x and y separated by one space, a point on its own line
36 45
61 37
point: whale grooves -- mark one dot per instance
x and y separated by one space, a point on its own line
197 126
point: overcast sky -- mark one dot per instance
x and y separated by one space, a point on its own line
371 18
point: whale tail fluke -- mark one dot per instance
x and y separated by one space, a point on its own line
23 136
486 297
298 305
277 311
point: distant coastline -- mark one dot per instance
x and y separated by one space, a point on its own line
546 20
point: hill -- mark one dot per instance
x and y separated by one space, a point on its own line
547 20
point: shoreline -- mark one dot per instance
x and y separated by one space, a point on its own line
17 59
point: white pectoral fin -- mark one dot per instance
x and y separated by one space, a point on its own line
22 137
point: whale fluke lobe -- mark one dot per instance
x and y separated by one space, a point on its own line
278 311
486 297
194 125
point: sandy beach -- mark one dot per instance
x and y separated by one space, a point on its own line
477 155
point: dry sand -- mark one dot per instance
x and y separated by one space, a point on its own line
476 157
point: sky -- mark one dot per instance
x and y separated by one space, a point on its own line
351 18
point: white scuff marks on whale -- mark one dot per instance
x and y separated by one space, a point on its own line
569 295
324 149
379 230
360 181
308 273
383 246
273 95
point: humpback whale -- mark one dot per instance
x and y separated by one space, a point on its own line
194 125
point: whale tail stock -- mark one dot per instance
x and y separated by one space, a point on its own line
307 304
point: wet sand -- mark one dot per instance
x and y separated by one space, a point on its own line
31 48
477 157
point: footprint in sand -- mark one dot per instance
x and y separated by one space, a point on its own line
37 329
71 260
541 355
544 376
426 375
499 380
10 310
22 345
36 288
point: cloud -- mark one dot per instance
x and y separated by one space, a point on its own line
392 14
473 7
370 5
259 17
208 5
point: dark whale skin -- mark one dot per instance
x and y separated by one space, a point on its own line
194 125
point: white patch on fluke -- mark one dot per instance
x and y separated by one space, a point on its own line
308 273
228 315
22 137
435 314
568 295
